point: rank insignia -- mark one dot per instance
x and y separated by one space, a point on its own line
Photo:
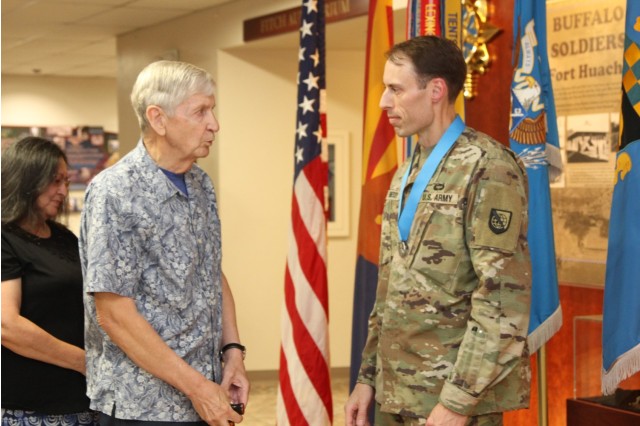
499 221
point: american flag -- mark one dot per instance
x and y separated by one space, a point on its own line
304 394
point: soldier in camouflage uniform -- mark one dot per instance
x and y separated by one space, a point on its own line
447 335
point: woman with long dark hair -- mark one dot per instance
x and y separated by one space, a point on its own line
43 362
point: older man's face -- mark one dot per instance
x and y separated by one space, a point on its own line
192 128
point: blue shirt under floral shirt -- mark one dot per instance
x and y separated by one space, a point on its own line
142 238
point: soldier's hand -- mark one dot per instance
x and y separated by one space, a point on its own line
357 406
442 416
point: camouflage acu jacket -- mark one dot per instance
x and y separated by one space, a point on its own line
450 320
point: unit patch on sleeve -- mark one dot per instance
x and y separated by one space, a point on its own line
499 220
497 215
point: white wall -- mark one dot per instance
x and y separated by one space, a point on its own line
53 101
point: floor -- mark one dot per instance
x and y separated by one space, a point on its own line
261 410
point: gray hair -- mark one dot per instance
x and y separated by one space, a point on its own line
167 84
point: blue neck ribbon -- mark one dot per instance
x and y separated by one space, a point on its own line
428 169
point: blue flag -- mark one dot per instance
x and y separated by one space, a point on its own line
621 313
533 136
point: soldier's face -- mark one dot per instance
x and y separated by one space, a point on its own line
405 99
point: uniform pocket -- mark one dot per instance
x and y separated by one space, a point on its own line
440 244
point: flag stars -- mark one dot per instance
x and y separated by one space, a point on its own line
305 29
311 5
307 105
312 82
301 53
302 130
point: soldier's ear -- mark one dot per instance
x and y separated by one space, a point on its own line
438 89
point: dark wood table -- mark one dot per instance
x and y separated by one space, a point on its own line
583 412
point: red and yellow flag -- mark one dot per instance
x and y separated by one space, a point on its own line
379 162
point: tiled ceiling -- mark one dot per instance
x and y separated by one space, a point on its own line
78 37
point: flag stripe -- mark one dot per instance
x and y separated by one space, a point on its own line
302 356
309 232
292 414
310 304
313 174
309 357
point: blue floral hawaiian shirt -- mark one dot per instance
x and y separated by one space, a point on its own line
140 237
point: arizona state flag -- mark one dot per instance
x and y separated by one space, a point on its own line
533 136
621 313
379 162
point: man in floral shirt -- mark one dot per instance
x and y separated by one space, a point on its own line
162 343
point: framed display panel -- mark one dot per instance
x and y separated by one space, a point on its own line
585 48
339 184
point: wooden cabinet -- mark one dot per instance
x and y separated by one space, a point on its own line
582 412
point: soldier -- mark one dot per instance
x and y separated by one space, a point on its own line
447 334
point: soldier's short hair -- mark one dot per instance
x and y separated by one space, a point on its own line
433 57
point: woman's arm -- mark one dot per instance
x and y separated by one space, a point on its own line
29 340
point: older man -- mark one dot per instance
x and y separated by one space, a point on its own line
161 337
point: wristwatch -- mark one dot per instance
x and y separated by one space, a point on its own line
233 346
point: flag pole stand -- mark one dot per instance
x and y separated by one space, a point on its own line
543 413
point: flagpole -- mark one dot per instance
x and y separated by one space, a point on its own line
543 411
